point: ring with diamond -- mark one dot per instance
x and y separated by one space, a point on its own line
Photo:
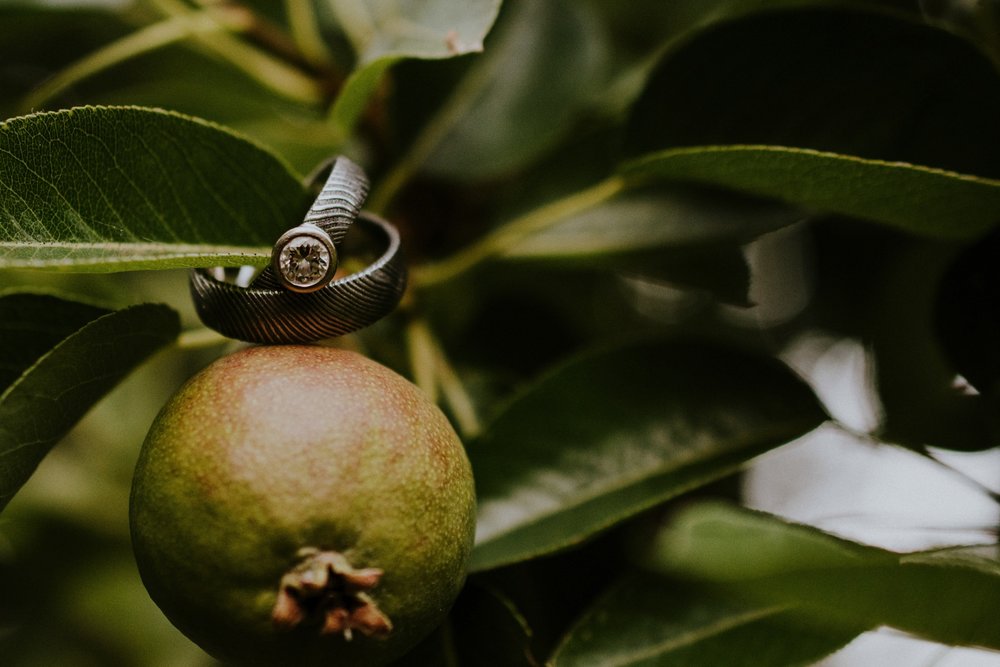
298 298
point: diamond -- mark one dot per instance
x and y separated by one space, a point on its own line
304 261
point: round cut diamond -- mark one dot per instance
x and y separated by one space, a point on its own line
304 261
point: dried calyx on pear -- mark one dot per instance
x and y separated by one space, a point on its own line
325 591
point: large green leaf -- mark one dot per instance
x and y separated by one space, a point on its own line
919 199
121 188
949 595
855 83
59 358
385 31
646 621
619 431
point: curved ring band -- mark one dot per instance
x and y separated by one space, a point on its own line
278 307
266 312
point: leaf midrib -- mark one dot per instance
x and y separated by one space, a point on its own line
194 248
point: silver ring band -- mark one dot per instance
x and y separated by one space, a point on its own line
296 299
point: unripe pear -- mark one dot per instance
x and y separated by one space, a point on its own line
301 505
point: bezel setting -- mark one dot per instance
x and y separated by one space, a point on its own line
304 258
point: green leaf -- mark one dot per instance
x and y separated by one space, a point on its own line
647 621
174 76
386 31
848 82
89 350
185 80
430 29
647 219
544 66
32 324
918 199
687 236
619 431
950 595
299 136
356 92
122 188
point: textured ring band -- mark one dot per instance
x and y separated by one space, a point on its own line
295 299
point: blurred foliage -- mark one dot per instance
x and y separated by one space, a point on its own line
945 594
579 185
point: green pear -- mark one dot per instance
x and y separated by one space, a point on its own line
301 505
